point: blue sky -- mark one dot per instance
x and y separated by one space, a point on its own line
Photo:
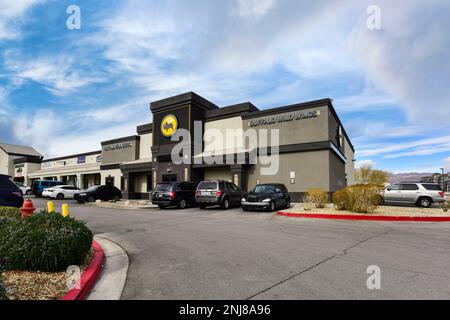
64 91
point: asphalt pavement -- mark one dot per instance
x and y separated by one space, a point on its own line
216 254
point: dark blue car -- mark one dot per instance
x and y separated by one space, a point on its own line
10 194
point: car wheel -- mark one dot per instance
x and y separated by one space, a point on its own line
91 199
182 204
425 202
288 204
245 208
116 198
202 206
272 206
225 204
60 196
162 207
29 193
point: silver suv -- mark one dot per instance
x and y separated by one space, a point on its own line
422 194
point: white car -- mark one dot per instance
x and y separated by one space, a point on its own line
25 190
60 192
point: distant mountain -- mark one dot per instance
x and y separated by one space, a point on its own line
407 176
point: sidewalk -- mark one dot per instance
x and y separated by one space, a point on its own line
124 204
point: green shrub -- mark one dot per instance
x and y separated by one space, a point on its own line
3 295
318 197
360 198
10 212
445 206
44 242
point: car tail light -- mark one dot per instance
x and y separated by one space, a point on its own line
172 195
442 194
198 193
218 193
18 194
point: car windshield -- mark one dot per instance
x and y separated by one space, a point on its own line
163 187
207 185
92 188
264 189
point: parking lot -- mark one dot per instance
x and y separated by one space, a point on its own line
216 254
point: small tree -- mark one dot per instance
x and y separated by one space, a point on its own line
367 175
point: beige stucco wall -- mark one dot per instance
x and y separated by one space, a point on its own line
311 171
145 149
4 162
69 162
221 173
211 135
27 168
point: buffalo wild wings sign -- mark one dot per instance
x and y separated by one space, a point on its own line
286 117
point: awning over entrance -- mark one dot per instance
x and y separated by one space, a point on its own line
141 164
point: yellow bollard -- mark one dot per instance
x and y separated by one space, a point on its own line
65 210
50 206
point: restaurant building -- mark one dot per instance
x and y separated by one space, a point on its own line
306 140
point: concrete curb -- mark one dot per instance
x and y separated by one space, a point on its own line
364 217
89 276
112 280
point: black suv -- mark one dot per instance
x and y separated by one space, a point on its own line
269 196
180 194
223 193
94 193
10 194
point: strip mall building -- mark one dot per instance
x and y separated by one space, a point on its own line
314 150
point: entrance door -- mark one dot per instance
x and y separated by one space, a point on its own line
109 181
169 178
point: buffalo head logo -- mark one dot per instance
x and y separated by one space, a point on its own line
169 125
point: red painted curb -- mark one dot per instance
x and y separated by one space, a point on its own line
364 217
89 276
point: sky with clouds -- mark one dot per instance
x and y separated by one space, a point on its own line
64 91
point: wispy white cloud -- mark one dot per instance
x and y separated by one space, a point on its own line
267 51
11 14
57 73
410 57
50 132
447 164
364 163
403 149
254 8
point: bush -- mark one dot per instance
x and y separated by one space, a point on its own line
318 197
340 199
44 242
361 198
445 206
3 295
10 212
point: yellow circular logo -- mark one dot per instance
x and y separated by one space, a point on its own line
169 125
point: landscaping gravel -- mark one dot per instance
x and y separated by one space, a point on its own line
380 211
25 285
